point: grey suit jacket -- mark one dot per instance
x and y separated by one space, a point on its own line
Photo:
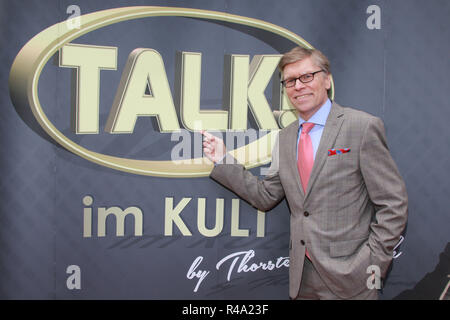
355 206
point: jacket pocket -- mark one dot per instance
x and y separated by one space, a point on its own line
345 248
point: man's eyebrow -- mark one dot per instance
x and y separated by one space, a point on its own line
291 77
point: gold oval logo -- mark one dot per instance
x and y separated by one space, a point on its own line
30 61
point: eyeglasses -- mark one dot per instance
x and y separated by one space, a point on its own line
304 78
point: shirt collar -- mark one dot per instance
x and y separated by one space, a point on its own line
321 115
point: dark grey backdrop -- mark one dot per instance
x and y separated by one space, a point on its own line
399 73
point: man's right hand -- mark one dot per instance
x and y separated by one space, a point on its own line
213 147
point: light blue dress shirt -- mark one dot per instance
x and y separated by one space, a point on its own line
319 118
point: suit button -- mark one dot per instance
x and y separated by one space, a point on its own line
306 213
302 242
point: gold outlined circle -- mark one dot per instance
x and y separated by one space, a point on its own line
30 61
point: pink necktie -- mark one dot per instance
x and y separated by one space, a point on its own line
305 159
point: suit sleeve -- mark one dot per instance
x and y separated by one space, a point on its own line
263 194
387 192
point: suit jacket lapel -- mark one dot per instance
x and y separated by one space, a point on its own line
330 132
291 144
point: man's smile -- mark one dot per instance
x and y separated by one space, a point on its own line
303 96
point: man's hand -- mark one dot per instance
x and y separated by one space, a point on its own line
213 147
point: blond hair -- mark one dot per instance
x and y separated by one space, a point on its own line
300 53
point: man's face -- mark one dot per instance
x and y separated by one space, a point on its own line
307 98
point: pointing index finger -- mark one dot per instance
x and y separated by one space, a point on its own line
206 134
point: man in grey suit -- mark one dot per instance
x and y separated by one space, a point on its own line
347 200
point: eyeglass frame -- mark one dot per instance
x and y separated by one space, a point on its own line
283 82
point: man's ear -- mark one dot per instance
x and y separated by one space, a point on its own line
328 81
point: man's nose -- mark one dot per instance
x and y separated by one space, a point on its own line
298 84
